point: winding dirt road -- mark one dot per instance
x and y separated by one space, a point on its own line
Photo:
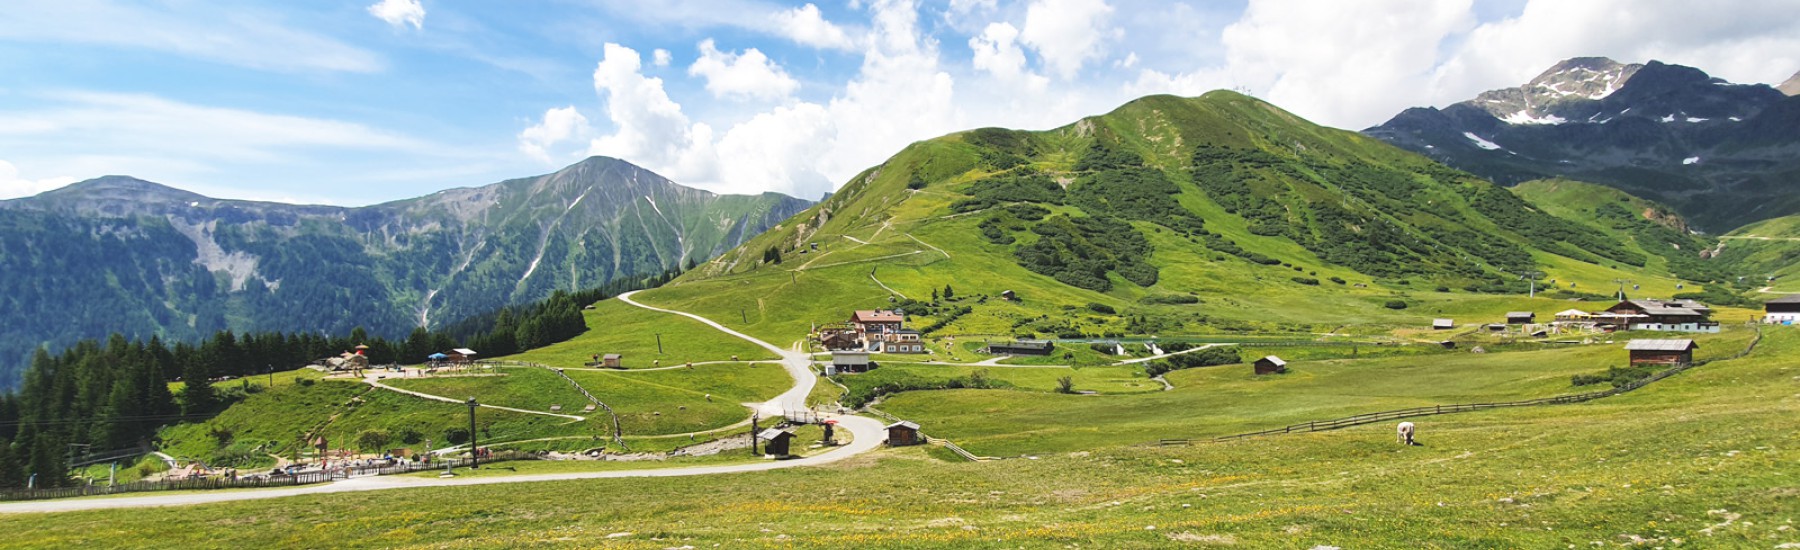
868 434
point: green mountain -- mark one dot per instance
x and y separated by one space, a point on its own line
117 254
1182 215
1768 252
1649 227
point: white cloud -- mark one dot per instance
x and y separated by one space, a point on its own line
149 131
804 148
559 125
965 7
1329 61
807 26
997 51
239 36
12 186
1067 33
661 57
399 13
649 128
749 75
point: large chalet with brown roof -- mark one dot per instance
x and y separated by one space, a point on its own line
1658 315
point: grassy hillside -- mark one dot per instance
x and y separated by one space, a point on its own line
1648 227
1702 458
1768 249
1212 215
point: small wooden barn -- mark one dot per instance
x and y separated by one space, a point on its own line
1520 317
461 355
612 361
776 441
1270 365
1669 352
850 361
903 433
1443 324
1022 347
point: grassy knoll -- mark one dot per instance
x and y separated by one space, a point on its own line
1702 457
618 327
1230 399
273 421
1109 380
648 402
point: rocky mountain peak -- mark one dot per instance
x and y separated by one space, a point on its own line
1540 100
1792 86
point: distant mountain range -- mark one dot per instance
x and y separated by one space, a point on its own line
1722 154
119 254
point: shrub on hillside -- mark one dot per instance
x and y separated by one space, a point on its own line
1100 308
1395 304
1306 281
1222 355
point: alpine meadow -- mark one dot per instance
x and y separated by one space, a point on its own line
1049 295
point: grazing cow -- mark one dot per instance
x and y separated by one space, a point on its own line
1406 433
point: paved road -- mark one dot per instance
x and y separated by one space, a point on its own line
867 433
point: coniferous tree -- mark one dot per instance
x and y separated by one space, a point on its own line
47 462
197 394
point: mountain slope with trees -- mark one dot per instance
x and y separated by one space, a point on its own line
121 255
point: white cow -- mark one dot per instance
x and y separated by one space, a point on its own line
1406 431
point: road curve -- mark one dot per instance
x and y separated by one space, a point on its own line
867 433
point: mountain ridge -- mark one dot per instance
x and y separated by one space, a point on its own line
145 259
1665 132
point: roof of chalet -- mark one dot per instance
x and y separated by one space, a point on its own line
1024 344
1443 322
1276 360
903 424
611 356
1511 314
1672 311
1789 299
772 434
877 316
1661 345
464 351
1571 313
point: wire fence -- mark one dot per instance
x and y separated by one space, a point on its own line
1383 416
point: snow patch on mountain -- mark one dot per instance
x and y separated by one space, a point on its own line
1482 143
1523 117
1691 160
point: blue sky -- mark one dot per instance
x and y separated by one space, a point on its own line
358 102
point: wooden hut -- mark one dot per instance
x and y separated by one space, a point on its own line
461 355
1022 347
611 361
1270 365
1443 324
903 433
1520 317
1670 352
776 441
850 361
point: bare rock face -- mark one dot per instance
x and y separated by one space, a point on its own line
1792 86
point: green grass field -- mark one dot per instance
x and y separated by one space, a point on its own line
617 327
1702 459
1230 399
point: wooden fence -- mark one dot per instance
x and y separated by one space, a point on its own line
177 485
1383 416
